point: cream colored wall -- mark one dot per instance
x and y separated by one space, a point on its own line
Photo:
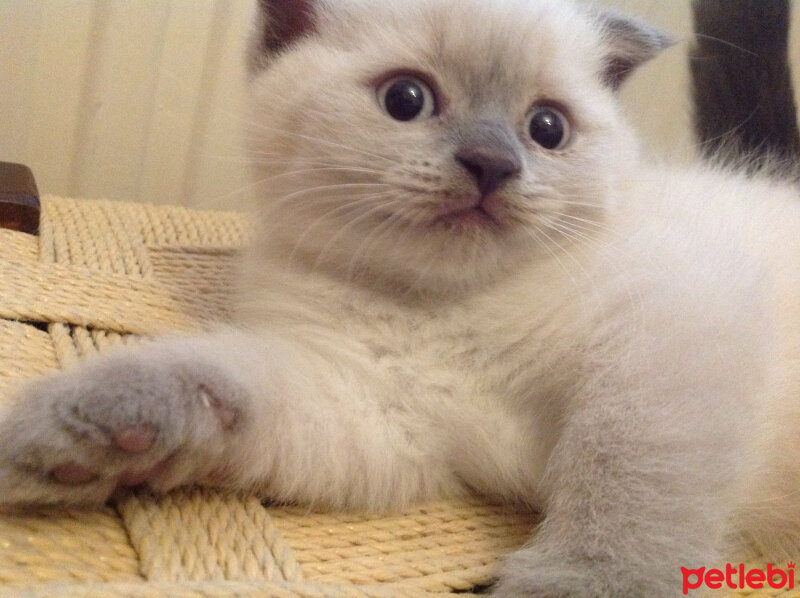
128 99
140 99
657 96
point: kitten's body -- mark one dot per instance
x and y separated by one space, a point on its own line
616 343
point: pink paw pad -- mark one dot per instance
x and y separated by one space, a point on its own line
136 439
72 473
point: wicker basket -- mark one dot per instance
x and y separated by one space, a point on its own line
102 273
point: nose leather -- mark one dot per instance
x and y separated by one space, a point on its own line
488 152
488 167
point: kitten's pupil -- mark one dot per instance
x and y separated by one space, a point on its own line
406 99
548 127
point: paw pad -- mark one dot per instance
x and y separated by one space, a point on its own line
137 439
72 474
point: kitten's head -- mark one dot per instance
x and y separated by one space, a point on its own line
437 143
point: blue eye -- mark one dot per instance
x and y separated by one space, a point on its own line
406 98
549 127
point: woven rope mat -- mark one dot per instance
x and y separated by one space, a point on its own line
103 273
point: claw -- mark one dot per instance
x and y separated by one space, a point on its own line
225 414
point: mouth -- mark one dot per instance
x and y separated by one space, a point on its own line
478 216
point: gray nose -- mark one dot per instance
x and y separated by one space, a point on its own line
491 167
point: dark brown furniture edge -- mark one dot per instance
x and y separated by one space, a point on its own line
20 208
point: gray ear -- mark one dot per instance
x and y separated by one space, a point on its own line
629 42
282 22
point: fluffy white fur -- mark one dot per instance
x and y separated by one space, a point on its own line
620 349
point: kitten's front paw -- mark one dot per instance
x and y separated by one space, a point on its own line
124 420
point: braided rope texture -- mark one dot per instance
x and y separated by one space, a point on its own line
104 273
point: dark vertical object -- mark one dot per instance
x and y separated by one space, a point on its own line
19 199
744 101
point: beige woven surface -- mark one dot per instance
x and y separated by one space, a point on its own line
101 273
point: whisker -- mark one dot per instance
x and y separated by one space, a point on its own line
314 203
323 142
348 205
363 216
331 187
536 234
591 231
610 255
586 221
272 159
580 204
387 226
725 43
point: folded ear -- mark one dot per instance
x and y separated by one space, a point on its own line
629 43
278 24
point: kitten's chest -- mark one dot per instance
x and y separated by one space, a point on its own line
430 346
510 341
486 348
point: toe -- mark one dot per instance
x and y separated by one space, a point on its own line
72 473
137 439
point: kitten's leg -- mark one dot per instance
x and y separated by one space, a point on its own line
642 480
630 503
234 410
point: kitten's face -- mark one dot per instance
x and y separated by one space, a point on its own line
436 142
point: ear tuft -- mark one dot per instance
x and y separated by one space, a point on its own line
282 22
630 43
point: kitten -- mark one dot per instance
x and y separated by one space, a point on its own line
466 280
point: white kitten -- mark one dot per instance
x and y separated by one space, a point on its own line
466 281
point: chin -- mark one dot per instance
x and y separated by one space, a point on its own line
451 258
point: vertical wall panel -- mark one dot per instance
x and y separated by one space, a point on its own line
120 98
201 68
178 100
130 100
43 50
20 24
217 174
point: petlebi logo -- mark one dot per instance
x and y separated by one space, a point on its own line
738 577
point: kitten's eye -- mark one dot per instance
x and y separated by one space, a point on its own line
549 127
407 98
